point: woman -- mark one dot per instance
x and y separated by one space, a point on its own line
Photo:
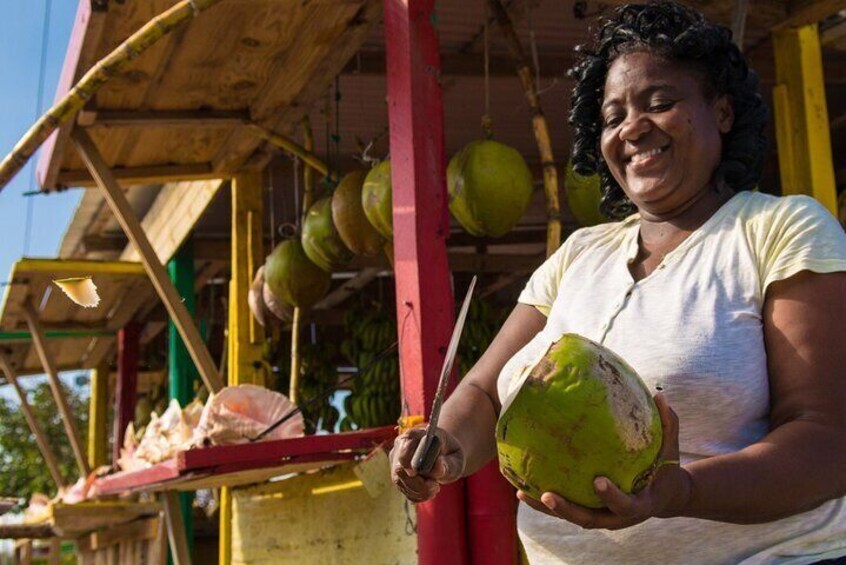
729 300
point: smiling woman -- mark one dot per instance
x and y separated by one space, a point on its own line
729 300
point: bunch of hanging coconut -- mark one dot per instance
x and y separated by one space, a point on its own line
350 218
490 187
377 199
579 412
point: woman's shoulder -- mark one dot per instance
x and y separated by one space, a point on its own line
607 234
770 209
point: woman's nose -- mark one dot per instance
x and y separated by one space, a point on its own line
634 127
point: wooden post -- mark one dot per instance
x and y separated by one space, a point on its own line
98 431
182 374
155 270
175 529
56 387
801 116
245 334
425 306
126 391
34 426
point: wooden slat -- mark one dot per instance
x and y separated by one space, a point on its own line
26 531
137 530
75 519
176 529
802 13
117 201
56 388
163 118
154 174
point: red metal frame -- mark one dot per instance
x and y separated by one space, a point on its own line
126 391
425 305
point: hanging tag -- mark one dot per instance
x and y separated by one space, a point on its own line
81 290
374 472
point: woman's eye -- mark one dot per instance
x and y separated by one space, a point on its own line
661 106
611 121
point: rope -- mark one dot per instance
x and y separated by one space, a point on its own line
487 121
42 71
194 7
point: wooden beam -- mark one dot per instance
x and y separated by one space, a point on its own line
158 276
154 174
246 336
126 389
26 531
56 387
807 12
425 306
801 117
173 216
175 529
98 413
464 64
32 422
172 118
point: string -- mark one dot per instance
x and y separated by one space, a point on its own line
487 121
42 71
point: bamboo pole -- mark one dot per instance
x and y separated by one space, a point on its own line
56 388
308 197
306 153
155 270
526 72
66 108
35 428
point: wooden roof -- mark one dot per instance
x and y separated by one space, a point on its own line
177 111
78 338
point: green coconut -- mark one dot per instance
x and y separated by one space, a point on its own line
355 230
490 187
321 240
583 197
377 201
292 278
581 413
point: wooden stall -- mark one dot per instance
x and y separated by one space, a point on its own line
198 156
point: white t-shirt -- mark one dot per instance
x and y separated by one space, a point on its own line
694 327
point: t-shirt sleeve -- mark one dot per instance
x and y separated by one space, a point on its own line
802 236
542 288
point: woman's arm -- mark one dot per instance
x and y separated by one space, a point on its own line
468 417
799 465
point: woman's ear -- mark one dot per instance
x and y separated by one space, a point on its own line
724 113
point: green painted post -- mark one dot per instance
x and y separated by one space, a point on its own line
182 371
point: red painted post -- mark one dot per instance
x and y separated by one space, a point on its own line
126 390
425 306
491 517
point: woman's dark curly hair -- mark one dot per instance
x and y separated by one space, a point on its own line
681 35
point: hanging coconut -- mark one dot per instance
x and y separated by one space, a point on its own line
490 187
292 278
321 240
580 413
282 311
583 197
356 231
377 201
255 298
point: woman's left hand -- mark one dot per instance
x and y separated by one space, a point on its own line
664 497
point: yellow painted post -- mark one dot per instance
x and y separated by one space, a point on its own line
246 336
98 411
801 116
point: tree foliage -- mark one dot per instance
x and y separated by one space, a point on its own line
22 468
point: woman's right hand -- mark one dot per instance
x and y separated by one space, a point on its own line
448 467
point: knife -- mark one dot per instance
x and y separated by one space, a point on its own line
430 446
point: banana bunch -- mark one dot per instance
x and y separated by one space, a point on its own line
483 322
375 397
317 375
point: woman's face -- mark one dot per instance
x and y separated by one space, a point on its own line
661 137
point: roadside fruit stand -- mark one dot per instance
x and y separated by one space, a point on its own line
280 199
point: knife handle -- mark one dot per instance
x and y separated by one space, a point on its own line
425 454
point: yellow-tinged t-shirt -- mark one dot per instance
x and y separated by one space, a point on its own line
694 327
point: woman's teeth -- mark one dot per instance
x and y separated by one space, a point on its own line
638 157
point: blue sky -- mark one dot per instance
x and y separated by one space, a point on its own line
21 31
